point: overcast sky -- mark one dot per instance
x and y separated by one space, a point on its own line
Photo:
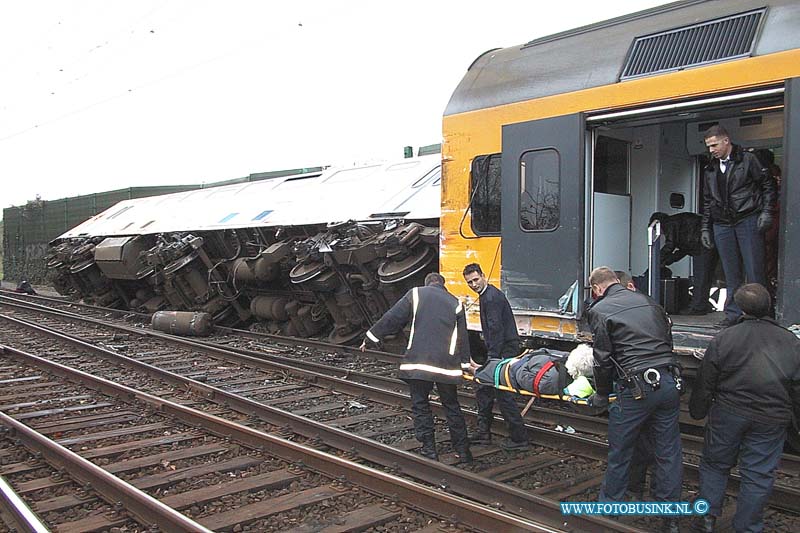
102 94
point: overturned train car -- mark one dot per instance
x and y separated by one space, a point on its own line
321 254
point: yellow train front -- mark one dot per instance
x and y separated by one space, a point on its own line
557 152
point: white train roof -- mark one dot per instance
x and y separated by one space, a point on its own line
409 188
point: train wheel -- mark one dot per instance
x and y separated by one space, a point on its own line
394 271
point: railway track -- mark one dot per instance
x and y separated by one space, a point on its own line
374 367
90 454
552 469
379 369
319 434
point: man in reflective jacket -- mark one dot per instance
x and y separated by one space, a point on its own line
437 353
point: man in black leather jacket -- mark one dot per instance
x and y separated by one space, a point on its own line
748 386
738 206
633 356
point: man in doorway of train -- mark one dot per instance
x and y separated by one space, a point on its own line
437 354
748 386
738 208
681 233
502 341
633 357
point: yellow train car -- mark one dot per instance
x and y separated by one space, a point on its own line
556 152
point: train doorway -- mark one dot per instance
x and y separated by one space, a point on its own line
651 160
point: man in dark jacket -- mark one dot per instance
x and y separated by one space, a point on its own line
502 341
437 353
633 356
738 206
749 384
681 238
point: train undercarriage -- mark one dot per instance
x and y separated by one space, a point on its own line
330 281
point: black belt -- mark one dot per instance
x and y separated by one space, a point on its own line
649 378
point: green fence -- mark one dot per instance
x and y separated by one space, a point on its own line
28 229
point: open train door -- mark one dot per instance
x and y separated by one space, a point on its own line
542 214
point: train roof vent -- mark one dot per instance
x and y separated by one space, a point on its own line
699 44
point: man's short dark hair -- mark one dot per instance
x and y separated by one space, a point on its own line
602 275
472 267
716 131
434 278
753 299
623 277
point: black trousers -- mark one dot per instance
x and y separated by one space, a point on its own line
643 458
704 266
423 416
485 396
658 411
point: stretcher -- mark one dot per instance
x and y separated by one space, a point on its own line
502 380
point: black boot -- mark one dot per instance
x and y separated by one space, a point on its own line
704 524
429 449
483 433
481 438
464 456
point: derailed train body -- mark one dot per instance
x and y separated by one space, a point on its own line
306 255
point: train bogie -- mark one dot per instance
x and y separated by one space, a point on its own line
325 254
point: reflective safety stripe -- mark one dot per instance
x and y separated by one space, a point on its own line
431 369
415 299
372 337
453 339
454 336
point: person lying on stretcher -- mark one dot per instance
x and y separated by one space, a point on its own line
542 372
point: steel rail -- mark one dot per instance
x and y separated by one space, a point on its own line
435 502
466 484
17 511
111 488
783 497
320 373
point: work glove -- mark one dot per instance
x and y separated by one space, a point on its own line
764 221
598 400
706 240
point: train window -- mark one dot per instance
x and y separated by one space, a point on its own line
611 166
485 195
402 166
351 174
539 190
118 213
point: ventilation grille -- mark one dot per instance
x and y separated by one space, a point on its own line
699 44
